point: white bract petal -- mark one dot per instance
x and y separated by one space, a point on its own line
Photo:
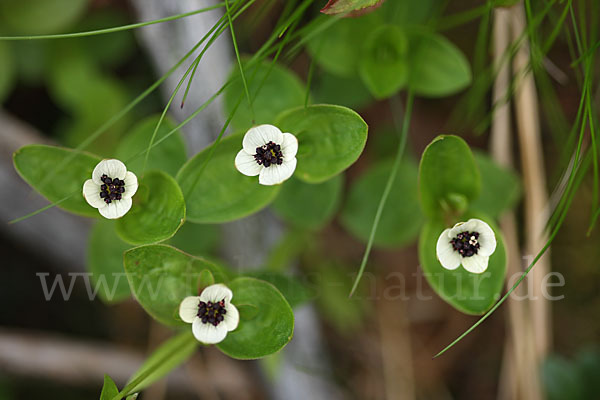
289 146
91 194
208 333
476 263
276 174
447 256
231 318
131 184
188 309
246 164
112 168
486 239
116 209
259 136
216 293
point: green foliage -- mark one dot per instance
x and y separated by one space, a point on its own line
332 286
35 163
384 65
407 13
500 187
402 217
561 380
328 88
161 276
157 212
196 239
105 262
219 192
338 49
448 177
109 389
89 96
467 292
163 360
309 206
168 156
7 70
330 139
280 89
35 17
346 6
437 67
266 320
294 291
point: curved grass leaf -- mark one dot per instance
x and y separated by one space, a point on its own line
273 89
402 218
168 156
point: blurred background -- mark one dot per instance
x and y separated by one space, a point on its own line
378 344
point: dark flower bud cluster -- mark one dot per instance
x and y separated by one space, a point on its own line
269 154
466 243
111 189
212 313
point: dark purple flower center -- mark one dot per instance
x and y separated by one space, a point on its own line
212 313
269 154
466 243
111 189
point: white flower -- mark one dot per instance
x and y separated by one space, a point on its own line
468 243
110 189
268 153
211 314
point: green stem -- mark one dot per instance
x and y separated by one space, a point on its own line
388 187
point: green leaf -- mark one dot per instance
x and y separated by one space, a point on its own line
402 217
7 70
157 212
168 156
105 262
467 292
448 176
164 359
500 187
407 13
346 6
332 89
280 91
383 65
196 239
35 162
309 206
221 193
268 331
561 379
295 292
330 139
109 389
437 67
36 17
161 276
338 48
